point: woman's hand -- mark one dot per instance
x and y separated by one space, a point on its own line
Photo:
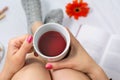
78 59
16 54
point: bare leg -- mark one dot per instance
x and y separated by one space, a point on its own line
68 74
35 26
34 68
65 74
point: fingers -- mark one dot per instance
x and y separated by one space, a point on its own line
59 65
15 43
25 47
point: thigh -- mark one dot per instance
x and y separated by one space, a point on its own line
33 70
68 74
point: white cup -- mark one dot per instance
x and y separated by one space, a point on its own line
51 27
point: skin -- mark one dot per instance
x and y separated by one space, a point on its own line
20 65
79 60
17 50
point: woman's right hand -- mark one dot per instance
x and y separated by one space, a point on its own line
79 59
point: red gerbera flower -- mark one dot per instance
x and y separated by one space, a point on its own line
77 9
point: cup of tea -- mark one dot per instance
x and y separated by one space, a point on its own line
51 41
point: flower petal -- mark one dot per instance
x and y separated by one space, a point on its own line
77 9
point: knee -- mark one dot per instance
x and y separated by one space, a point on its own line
33 71
69 74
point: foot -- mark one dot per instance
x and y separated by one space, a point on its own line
32 9
55 16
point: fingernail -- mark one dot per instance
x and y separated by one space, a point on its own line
29 39
35 54
48 66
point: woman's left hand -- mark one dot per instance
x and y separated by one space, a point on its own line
16 54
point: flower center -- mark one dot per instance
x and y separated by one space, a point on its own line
77 9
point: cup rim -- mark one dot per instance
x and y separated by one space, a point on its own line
67 45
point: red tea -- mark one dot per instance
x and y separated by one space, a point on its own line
51 43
